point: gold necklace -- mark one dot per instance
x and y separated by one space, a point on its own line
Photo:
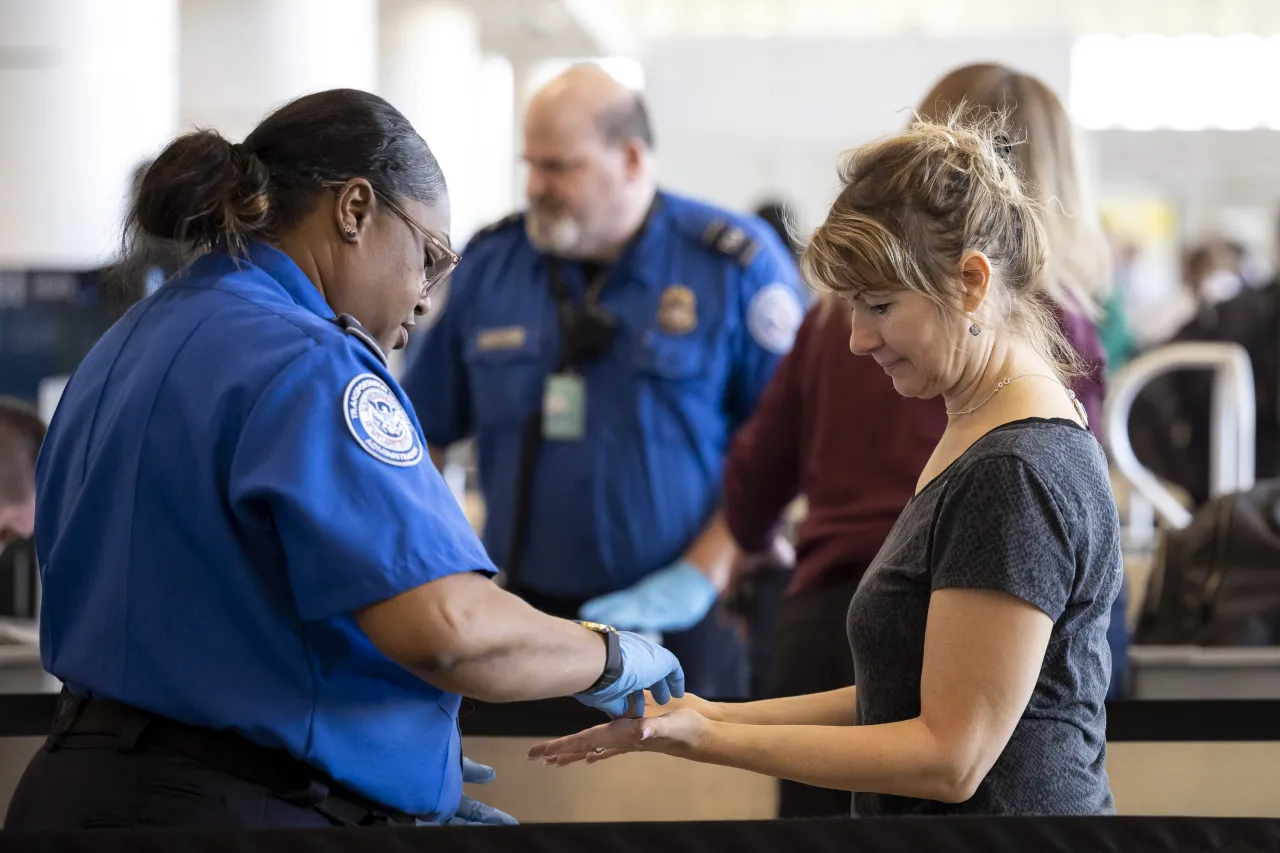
1003 382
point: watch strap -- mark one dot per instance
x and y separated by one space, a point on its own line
612 659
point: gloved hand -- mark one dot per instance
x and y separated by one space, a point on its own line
645 665
473 812
672 599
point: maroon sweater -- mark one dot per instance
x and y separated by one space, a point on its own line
831 426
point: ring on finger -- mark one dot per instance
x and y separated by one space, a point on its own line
599 750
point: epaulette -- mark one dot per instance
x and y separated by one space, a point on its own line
352 327
495 227
727 238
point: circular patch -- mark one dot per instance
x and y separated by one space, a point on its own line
774 316
378 421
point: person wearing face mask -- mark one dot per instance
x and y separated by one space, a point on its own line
979 630
263 600
21 434
602 347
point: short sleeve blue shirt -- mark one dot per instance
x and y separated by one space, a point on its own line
707 303
229 475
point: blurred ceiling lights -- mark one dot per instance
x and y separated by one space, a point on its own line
669 19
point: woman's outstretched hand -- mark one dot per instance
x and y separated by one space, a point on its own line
682 733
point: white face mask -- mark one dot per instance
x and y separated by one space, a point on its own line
1220 286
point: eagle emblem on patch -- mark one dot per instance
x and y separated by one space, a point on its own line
379 423
774 316
678 310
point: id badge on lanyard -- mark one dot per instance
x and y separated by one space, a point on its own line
564 407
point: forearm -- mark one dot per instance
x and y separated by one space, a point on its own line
713 552
903 759
532 656
833 708
480 641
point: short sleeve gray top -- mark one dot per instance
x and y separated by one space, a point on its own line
1027 510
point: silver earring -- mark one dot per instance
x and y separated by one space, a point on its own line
351 233
975 329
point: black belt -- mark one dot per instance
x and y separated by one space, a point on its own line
289 779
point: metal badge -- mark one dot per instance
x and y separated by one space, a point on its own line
678 310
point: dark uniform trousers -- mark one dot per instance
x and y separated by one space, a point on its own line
89 782
716 662
811 655
107 765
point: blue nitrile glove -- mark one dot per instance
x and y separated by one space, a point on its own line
645 665
672 599
473 812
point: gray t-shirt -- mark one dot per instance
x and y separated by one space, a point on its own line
1027 510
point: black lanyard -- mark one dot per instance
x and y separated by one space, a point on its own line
587 332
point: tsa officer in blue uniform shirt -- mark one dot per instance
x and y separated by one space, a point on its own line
263 600
602 348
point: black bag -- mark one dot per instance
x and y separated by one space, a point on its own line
1217 582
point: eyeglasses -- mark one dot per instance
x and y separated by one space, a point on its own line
436 266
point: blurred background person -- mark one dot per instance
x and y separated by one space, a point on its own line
832 428
21 434
602 347
1170 426
1043 150
778 214
1077 276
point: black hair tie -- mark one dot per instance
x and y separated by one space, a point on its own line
1003 146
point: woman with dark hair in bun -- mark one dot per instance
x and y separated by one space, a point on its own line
261 597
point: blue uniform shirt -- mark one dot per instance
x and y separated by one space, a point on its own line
707 303
228 476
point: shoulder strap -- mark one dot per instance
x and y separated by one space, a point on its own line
352 327
495 227
724 237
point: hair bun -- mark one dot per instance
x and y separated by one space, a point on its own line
202 190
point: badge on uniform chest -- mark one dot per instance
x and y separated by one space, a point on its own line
678 310
564 407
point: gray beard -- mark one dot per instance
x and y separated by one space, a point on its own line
556 234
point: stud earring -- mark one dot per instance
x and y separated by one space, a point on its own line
975 329
351 233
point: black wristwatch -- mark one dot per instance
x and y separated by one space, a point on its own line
612 658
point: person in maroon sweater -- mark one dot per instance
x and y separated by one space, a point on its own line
832 428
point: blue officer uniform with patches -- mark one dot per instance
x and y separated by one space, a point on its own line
707 303
231 472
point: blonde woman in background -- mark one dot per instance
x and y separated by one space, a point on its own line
1077 276
1045 154
979 630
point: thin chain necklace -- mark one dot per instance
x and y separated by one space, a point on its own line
1003 382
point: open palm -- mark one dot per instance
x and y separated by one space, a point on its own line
677 733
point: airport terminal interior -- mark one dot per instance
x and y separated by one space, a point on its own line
1139 140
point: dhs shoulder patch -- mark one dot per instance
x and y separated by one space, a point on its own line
774 316
379 423
728 239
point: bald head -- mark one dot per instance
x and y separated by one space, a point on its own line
586 97
587 142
